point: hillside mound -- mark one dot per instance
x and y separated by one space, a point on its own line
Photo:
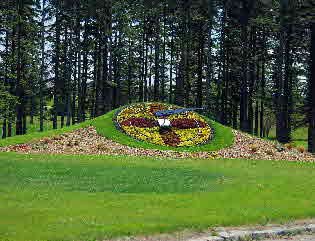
135 130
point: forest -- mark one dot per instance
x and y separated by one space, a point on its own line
250 64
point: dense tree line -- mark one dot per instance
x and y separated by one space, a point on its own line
250 64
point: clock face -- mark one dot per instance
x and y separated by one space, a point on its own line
183 129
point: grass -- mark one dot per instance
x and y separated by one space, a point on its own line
37 135
31 128
69 197
299 136
93 197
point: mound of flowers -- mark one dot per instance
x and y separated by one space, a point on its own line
185 129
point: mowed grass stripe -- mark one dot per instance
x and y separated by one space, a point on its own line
71 197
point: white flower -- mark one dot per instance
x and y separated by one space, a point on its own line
164 122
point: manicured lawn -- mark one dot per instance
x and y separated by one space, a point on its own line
63 197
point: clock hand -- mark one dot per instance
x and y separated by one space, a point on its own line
172 112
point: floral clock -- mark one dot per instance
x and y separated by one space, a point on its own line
181 129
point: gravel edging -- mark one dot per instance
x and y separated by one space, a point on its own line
270 231
87 141
247 235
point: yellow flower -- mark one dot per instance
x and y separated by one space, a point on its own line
187 137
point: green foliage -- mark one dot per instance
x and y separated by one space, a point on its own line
7 104
92 197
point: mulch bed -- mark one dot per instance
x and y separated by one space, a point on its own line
87 141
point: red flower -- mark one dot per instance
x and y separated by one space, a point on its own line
140 122
187 124
21 147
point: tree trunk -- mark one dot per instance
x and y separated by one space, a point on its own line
280 99
311 128
117 70
219 108
33 108
19 89
64 77
209 67
188 42
252 80
263 84
80 76
99 102
6 74
69 83
150 95
145 95
129 83
163 94
4 129
287 89
244 82
12 70
24 128
141 68
81 108
200 66
156 93
41 79
182 64
256 118
179 88
170 99
94 93
107 89
74 84
57 77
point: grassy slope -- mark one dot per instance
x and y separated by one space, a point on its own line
67 197
105 127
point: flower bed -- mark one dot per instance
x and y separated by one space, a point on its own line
186 129
140 122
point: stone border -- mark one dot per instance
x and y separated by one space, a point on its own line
247 235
